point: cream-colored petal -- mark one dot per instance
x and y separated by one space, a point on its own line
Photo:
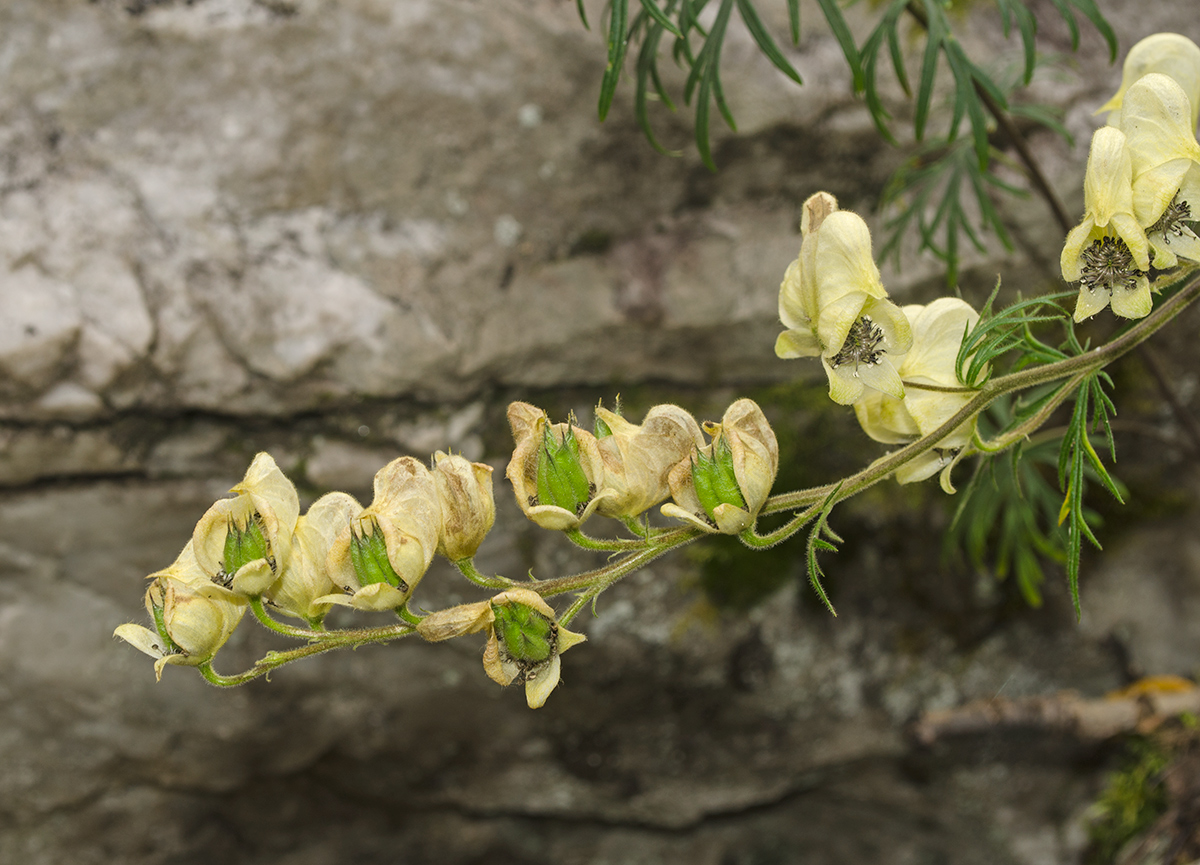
1090 302
498 670
844 386
1126 227
1185 245
253 578
1108 181
897 331
843 260
1078 239
791 304
731 519
925 466
882 377
670 509
1156 118
885 419
567 639
837 318
1135 303
456 621
142 639
1154 189
541 683
797 343
377 598
1169 53
1161 254
528 597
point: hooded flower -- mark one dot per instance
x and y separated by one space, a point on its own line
244 541
556 470
834 305
193 617
305 579
638 459
1108 253
1165 160
1168 53
468 509
524 644
938 329
725 484
381 555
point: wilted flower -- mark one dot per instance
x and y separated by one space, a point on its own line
938 329
834 305
524 644
193 617
305 580
1165 160
638 459
725 484
1108 252
468 509
242 542
1168 53
555 470
381 555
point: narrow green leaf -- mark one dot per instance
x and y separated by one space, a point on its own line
1093 14
933 45
647 71
582 14
618 40
660 17
845 38
765 43
1069 18
794 20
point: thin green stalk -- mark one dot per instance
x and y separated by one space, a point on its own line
604 544
467 568
265 619
274 660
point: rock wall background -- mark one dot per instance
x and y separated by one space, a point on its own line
346 231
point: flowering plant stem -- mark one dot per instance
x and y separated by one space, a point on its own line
809 504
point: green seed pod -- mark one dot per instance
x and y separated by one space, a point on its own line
527 634
245 545
561 480
368 555
714 479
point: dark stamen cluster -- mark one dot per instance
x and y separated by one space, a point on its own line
1173 219
861 345
1108 263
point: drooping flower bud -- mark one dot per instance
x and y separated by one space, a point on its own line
525 642
381 555
244 541
938 330
724 486
638 459
306 579
834 305
192 617
555 470
468 509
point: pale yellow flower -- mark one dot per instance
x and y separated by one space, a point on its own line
744 445
464 490
193 616
1165 160
637 459
1108 253
1168 53
938 329
305 580
834 304
393 540
266 507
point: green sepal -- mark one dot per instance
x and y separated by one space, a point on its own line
527 634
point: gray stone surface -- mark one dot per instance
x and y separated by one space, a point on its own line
343 231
